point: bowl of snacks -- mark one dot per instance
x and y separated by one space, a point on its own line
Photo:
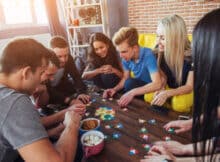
92 142
89 124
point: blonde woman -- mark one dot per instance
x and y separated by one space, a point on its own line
175 63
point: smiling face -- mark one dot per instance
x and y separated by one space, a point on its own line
62 54
100 48
161 37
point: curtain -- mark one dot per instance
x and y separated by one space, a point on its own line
55 18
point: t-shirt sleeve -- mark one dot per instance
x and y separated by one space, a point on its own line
125 65
22 125
151 62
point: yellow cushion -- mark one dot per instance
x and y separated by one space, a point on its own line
149 39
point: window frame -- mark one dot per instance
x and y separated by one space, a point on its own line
25 29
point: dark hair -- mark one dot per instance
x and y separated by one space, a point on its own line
58 42
54 59
22 52
206 55
111 58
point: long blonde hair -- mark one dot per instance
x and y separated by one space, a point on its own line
177 43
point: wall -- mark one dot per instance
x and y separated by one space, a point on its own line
144 14
43 38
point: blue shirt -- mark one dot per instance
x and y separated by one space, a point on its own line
143 67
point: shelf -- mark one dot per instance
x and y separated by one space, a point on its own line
84 5
85 26
80 46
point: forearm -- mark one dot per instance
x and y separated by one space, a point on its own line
48 121
118 73
120 85
216 157
55 132
179 91
89 74
150 87
67 143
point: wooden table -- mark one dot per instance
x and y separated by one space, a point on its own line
118 150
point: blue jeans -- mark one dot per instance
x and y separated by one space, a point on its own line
106 80
132 83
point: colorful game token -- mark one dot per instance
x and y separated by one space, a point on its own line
171 130
106 137
167 138
107 117
116 135
104 100
111 99
125 109
133 151
144 136
93 100
152 121
119 126
143 130
87 114
141 121
108 126
146 147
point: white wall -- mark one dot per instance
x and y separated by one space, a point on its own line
43 38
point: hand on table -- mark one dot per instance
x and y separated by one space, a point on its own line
160 98
108 93
126 99
180 126
84 98
158 154
173 147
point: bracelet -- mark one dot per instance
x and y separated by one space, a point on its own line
167 160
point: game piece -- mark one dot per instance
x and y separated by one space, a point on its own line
133 151
171 130
119 126
144 136
110 98
106 137
167 138
146 147
107 117
116 135
93 100
143 130
104 100
108 126
87 114
152 121
88 104
125 109
141 121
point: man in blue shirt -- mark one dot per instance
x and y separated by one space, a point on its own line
141 74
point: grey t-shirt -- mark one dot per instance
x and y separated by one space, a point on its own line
20 123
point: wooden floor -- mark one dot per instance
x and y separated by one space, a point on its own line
117 150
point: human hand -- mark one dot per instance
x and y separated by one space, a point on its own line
107 69
72 119
109 93
84 98
180 126
160 98
78 108
174 147
126 99
158 154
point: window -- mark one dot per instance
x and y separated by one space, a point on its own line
22 17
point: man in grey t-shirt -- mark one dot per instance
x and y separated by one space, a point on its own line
21 65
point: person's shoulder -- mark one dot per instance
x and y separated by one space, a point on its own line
8 93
